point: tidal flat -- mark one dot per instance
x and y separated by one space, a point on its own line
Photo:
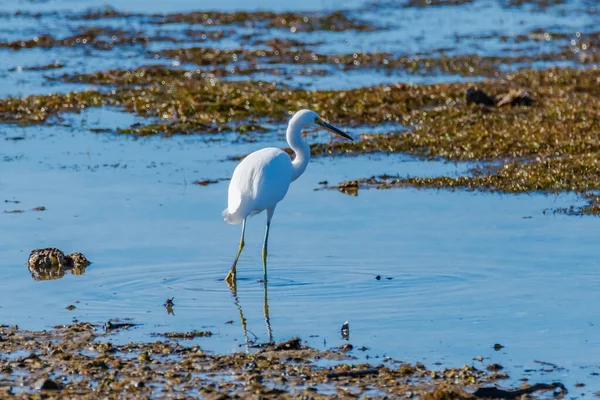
473 275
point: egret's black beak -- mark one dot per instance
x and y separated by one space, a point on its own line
333 129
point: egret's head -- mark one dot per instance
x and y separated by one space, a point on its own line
308 118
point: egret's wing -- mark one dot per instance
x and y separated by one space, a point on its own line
257 183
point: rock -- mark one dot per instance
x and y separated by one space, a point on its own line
345 330
494 367
50 257
292 344
515 97
478 96
52 263
77 260
46 384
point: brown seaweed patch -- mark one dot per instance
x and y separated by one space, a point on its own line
440 122
592 207
106 12
98 38
186 335
103 38
571 174
562 121
541 4
464 65
45 67
293 21
436 3
151 73
168 129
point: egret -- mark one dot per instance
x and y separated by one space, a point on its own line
261 180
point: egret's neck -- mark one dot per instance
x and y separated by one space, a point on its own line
301 150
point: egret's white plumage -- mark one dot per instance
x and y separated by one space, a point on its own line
260 182
262 179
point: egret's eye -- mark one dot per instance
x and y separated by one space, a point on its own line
318 120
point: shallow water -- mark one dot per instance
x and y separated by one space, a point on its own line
459 271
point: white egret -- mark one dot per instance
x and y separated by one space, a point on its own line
262 179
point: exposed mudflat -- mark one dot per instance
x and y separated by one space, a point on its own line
79 361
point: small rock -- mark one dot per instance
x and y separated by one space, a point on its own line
378 277
345 330
46 384
205 182
70 307
494 367
498 347
77 260
478 96
515 97
292 344
345 348
46 258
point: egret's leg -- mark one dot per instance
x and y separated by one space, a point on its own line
266 311
231 276
270 212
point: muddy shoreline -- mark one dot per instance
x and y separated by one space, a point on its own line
79 361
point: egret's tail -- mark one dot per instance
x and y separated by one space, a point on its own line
231 218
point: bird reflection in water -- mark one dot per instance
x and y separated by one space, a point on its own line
247 341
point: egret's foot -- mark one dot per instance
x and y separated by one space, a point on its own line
231 278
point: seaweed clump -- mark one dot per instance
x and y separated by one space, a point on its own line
293 21
548 143
98 38
463 65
